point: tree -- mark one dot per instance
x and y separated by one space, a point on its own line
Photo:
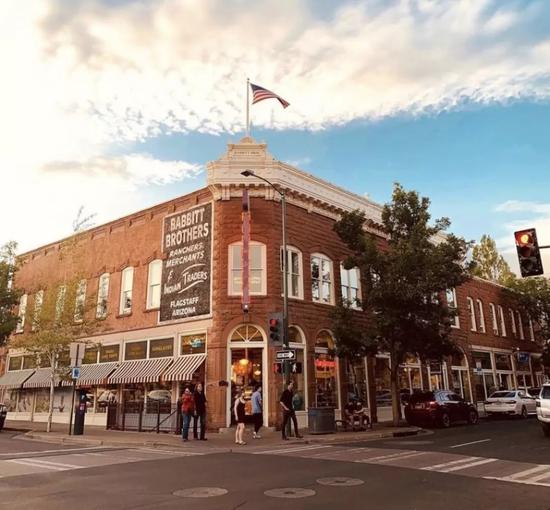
9 295
533 295
402 284
489 264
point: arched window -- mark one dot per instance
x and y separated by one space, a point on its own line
520 325
326 393
295 280
126 285
502 321
513 322
102 296
247 333
494 318
481 316
472 314
153 284
21 315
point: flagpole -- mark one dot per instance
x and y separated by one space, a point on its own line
247 107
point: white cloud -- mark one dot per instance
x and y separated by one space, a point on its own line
82 75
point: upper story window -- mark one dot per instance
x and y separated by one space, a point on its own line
153 284
38 301
453 305
322 279
21 315
502 321
472 314
481 316
257 281
531 330
102 296
350 284
520 325
494 320
513 322
126 284
60 302
80 301
295 281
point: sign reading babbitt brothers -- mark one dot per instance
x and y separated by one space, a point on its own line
186 270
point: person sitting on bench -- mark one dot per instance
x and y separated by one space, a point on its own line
360 414
349 411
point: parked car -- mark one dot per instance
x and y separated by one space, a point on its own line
543 409
439 408
3 414
534 392
510 402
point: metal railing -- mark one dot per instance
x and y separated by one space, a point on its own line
153 416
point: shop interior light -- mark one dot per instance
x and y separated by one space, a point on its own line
243 362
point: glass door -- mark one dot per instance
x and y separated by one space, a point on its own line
246 374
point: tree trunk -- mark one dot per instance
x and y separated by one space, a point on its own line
395 396
50 406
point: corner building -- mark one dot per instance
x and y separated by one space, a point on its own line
169 285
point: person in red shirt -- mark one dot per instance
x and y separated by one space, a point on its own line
187 412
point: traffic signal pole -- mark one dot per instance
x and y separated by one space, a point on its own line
286 342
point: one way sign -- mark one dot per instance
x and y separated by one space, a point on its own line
285 355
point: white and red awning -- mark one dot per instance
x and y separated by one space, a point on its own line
139 371
15 379
184 367
40 379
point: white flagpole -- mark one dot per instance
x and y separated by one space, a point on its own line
247 107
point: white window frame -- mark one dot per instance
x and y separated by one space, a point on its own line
531 330
291 250
502 321
102 295
494 319
346 298
231 269
513 322
322 258
520 325
472 314
152 285
80 301
481 316
38 302
126 290
60 302
453 306
21 314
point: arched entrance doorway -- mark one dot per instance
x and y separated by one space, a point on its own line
247 362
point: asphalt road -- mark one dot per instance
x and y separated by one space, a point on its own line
403 474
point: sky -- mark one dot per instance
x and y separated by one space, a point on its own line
116 105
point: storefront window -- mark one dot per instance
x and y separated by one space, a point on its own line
193 344
503 362
162 348
109 353
325 371
106 396
159 397
484 358
246 374
133 394
135 350
42 401
24 404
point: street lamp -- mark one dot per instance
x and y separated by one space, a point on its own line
250 173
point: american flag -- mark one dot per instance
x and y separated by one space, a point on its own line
259 94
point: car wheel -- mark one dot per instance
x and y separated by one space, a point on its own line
546 429
445 420
524 413
473 417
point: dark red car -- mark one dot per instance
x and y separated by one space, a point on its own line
439 408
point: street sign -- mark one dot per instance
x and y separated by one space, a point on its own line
285 355
75 373
76 353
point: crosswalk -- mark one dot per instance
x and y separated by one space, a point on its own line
433 461
61 460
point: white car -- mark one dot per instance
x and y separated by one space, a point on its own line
512 402
543 409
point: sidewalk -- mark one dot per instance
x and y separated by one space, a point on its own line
98 436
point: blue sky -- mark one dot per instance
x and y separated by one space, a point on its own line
118 105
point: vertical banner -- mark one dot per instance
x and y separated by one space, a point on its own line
246 251
186 269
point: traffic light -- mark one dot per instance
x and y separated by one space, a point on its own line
277 368
276 327
296 367
530 263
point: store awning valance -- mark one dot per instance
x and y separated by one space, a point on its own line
93 374
40 379
184 367
15 379
139 371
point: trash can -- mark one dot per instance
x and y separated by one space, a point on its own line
321 420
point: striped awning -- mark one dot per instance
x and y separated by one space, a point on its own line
139 371
93 374
15 379
184 367
40 379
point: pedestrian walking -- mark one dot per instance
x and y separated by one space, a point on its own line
257 414
187 412
200 412
238 410
287 404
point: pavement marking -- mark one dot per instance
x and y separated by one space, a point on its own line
466 466
467 444
401 457
55 451
385 457
290 450
451 463
44 465
346 451
526 472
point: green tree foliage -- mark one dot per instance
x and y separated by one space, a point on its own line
534 296
489 264
403 284
9 295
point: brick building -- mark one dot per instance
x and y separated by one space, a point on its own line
168 284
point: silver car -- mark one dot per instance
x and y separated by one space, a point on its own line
511 402
543 409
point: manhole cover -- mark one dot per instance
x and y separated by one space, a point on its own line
410 443
290 493
340 481
200 492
